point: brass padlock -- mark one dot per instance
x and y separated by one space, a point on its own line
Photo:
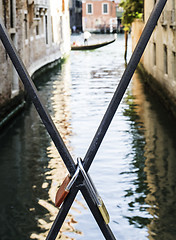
99 202
65 188
103 210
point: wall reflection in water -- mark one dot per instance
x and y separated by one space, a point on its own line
31 168
154 162
57 91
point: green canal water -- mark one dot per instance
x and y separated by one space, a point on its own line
134 169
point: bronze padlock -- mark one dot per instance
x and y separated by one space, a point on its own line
62 192
65 188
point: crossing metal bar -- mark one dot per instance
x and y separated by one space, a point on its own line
63 211
62 149
79 185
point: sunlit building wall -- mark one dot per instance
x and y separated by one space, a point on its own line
40 31
159 167
61 25
159 59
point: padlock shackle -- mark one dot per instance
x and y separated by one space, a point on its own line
73 179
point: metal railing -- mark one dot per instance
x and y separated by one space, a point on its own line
103 127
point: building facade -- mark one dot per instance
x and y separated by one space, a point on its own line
75 15
40 32
159 58
119 13
99 16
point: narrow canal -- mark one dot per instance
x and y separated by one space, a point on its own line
134 169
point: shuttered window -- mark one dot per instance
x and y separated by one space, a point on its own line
89 8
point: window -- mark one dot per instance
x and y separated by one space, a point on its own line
12 14
165 60
15 81
174 65
173 12
78 4
61 28
46 29
52 29
89 8
154 54
37 28
26 26
105 8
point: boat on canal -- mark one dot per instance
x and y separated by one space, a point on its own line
74 46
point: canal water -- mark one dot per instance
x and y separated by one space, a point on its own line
134 169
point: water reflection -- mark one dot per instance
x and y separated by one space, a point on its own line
31 168
136 194
57 92
157 162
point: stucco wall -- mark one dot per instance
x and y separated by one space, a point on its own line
164 36
137 28
41 34
159 58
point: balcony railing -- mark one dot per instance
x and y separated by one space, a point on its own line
41 2
38 2
40 7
